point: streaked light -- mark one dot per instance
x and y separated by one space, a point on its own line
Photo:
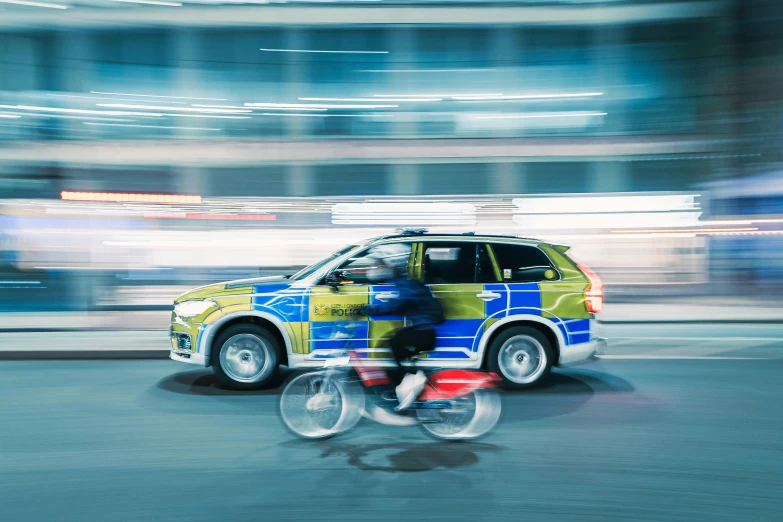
123 197
149 126
479 97
157 96
606 204
438 95
566 114
410 99
423 70
243 107
608 220
100 98
77 111
151 2
319 105
175 109
404 214
299 115
34 4
9 116
230 217
213 116
320 51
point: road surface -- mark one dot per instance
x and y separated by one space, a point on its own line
656 438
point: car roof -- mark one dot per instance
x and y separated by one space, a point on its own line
461 237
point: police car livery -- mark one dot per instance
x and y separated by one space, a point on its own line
514 306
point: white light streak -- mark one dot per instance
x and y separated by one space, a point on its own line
608 220
422 70
300 115
411 99
320 51
77 111
214 116
150 2
439 95
567 114
243 107
318 105
149 126
606 204
34 4
102 98
14 116
480 97
157 96
176 109
408 213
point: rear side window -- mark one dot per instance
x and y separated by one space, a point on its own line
448 263
521 263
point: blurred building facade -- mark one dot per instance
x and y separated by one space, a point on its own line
530 97
389 98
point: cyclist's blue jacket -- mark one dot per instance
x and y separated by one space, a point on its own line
414 301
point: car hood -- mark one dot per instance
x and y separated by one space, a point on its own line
239 286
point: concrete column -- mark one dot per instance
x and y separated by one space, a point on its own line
403 179
75 62
609 176
192 179
507 178
402 55
610 60
295 77
300 180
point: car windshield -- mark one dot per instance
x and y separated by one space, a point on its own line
303 273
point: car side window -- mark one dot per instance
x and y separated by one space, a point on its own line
450 262
357 267
522 263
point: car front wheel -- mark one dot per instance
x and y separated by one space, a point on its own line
521 355
245 357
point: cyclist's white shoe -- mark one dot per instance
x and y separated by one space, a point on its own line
321 401
409 389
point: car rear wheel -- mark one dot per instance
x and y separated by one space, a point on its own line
521 355
245 357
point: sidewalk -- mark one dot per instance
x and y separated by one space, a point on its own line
692 311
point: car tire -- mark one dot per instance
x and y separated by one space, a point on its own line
522 356
245 357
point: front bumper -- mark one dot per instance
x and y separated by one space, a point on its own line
576 353
190 358
184 339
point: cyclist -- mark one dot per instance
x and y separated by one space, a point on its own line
421 310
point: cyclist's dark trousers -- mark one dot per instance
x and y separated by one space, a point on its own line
407 342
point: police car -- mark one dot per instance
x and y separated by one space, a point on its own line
514 306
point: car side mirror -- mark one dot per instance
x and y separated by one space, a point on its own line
550 274
335 278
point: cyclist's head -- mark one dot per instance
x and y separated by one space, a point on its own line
391 259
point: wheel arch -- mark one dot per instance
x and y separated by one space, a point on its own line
261 319
548 328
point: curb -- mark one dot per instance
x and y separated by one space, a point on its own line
695 321
61 355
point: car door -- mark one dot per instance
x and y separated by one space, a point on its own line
457 273
537 287
335 319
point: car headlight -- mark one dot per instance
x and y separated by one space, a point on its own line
193 308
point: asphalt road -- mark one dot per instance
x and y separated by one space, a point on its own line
616 440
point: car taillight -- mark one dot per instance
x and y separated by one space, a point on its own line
594 293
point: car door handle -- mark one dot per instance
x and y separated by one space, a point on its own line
385 296
488 296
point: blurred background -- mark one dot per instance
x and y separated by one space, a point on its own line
149 146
